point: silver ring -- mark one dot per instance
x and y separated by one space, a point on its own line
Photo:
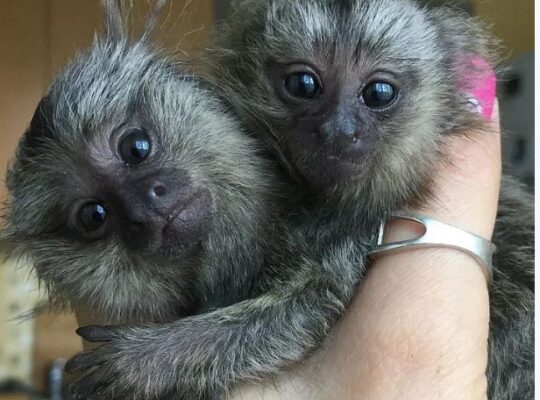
439 234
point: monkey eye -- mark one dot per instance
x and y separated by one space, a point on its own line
135 147
379 94
303 85
91 218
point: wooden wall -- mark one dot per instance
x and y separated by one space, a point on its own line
513 22
23 68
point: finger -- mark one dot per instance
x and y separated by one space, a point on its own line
467 184
100 386
477 83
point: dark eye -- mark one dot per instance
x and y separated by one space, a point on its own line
92 217
379 94
135 147
302 85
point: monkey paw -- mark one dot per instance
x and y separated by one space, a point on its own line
126 366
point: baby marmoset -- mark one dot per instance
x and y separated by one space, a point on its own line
356 98
137 195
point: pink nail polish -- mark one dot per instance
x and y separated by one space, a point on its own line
476 81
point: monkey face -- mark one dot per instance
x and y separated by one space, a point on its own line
125 191
356 95
339 115
129 179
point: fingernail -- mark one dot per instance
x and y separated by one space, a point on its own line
477 84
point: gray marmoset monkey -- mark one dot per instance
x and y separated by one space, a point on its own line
137 195
132 183
356 98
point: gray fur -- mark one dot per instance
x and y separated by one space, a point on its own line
344 39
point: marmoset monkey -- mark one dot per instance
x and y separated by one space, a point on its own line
132 184
356 98
137 195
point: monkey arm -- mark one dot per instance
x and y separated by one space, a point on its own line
206 355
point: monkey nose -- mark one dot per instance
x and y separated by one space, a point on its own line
159 192
158 195
346 137
348 129
163 209
338 128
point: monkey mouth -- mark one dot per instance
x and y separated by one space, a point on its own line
342 160
338 169
186 226
178 209
192 209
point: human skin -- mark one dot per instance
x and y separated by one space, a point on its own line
418 327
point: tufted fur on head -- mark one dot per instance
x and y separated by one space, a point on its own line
69 154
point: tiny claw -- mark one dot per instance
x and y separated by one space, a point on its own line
96 334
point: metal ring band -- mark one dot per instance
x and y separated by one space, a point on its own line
439 234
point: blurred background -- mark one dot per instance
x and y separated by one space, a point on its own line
37 37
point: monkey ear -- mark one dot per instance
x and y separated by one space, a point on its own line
40 127
463 33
